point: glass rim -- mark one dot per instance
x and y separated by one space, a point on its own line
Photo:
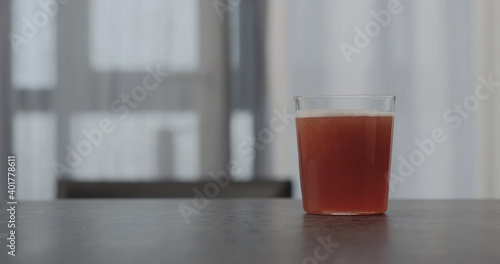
346 96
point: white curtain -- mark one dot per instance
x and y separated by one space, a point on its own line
87 63
431 55
487 61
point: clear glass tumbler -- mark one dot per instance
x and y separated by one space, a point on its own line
344 144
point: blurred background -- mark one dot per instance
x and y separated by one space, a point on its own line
176 90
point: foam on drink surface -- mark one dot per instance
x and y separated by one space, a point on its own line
340 113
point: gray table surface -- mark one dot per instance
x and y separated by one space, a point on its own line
252 231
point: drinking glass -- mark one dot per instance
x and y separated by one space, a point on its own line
344 145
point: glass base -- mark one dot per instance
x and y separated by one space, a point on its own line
345 213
